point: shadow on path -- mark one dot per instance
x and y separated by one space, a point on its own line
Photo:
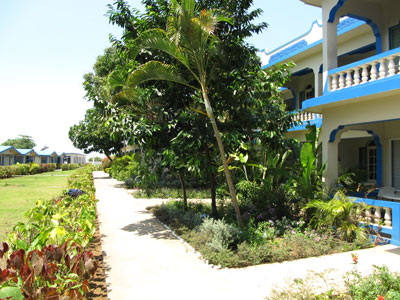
150 227
394 251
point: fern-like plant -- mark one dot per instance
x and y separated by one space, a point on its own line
340 214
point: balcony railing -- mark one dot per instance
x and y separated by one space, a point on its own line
306 116
384 217
367 70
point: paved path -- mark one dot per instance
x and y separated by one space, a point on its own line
145 261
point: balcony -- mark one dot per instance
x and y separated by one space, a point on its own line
374 68
370 78
306 118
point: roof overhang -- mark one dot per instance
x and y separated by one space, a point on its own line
317 3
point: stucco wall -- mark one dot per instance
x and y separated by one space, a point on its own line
370 114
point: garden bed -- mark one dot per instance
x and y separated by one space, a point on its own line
222 243
97 285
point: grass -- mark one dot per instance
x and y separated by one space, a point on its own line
18 194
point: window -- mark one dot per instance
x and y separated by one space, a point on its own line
371 161
396 164
394 36
308 93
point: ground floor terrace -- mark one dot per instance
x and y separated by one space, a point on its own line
362 135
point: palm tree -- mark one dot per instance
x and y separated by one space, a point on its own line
191 41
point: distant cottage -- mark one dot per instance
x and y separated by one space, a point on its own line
10 156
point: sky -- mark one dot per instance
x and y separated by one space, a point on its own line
46 46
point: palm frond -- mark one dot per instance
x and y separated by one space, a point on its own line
155 70
158 39
117 79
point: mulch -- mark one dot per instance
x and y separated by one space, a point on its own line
98 285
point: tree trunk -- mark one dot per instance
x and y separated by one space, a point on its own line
213 183
108 155
183 186
229 181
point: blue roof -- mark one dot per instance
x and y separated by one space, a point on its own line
46 153
5 148
302 45
26 151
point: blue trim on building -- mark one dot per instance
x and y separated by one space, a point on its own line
378 157
317 122
5 148
285 52
332 138
395 206
349 25
334 10
302 72
361 90
365 61
361 50
299 37
374 28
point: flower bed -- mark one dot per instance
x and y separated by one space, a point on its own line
46 256
222 243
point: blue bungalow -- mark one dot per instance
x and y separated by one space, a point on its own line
28 156
9 155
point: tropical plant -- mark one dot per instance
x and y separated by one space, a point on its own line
190 39
309 182
340 214
52 273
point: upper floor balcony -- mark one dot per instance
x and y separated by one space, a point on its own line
368 70
369 78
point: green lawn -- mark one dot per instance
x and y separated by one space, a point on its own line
19 194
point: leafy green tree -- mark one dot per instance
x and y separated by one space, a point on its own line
91 135
190 40
21 142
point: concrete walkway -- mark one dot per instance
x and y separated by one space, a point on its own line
145 261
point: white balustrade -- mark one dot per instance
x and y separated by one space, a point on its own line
391 66
306 116
377 215
374 70
387 216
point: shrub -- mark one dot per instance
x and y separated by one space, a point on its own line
263 201
173 213
52 167
19 169
34 168
380 283
124 168
341 214
5 172
44 168
106 163
46 254
223 235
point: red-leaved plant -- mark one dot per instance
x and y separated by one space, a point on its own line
54 273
